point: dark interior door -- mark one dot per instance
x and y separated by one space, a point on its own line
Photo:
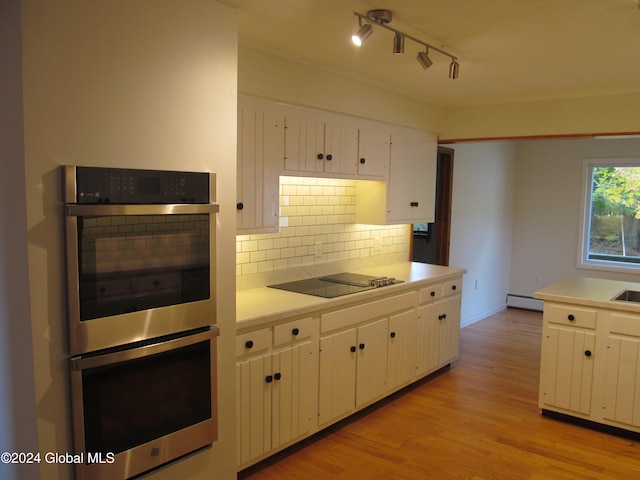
432 246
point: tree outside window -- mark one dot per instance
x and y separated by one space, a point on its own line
614 220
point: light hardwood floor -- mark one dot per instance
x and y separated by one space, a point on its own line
477 420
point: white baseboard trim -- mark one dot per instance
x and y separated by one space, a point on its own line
481 316
528 303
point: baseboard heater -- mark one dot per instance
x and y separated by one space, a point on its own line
527 303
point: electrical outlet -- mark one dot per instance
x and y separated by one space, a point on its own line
318 249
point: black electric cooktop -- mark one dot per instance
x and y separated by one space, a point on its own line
331 286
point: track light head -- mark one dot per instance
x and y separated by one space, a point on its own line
424 60
362 34
398 43
454 69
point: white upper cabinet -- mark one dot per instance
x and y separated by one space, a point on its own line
260 148
313 146
410 194
373 153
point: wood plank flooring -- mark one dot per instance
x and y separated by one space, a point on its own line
478 420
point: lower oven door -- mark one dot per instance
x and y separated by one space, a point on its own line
137 408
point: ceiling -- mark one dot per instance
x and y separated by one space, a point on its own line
508 50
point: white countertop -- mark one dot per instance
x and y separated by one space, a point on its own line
594 292
261 305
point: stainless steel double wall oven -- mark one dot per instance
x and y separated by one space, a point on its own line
141 308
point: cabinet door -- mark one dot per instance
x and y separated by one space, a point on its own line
371 372
253 415
428 339
337 388
373 153
340 149
449 319
260 149
412 180
622 371
292 393
401 360
303 145
567 368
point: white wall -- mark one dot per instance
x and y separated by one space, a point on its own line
17 398
146 84
264 75
482 219
548 209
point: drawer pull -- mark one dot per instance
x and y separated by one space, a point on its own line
249 344
454 287
571 318
392 334
587 353
433 293
295 332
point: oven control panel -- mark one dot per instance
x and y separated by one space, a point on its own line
131 186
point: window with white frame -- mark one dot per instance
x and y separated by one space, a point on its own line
611 226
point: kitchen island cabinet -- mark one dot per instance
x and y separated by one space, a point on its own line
340 354
590 364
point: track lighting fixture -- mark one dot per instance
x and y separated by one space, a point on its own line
362 34
382 18
398 44
453 69
423 58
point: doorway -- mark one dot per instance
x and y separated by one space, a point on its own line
430 242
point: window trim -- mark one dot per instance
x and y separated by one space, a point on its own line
583 248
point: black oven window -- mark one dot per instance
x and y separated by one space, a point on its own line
138 262
130 403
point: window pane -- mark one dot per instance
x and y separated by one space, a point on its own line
615 211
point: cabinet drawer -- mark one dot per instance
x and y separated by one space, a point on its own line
452 287
570 315
292 331
253 342
430 293
366 311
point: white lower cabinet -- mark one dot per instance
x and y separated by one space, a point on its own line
590 364
621 404
276 399
402 349
353 369
298 376
438 326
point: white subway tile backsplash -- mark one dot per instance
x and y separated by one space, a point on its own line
316 210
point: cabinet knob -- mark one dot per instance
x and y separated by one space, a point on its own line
353 349
363 160
268 379
277 376
433 294
295 332
571 318
454 287
239 206
392 334
361 346
329 157
587 353
414 204
249 344
320 156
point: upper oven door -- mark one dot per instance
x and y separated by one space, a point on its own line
138 271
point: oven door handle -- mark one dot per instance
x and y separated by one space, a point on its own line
92 361
103 210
